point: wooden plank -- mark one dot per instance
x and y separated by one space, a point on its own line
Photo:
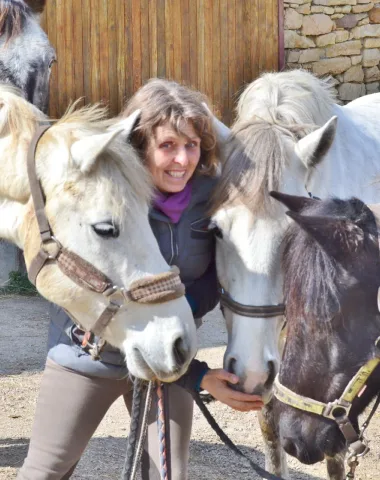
86 49
247 32
216 54
185 44
201 45
239 52
153 38
95 53
61 55
255 38
104 93
232 74
169 38
262 37
69 52
193 40
145 47
121 64
128 49
136 32
224 61
78 56
112 59
177 40
161 35
50 26
209 88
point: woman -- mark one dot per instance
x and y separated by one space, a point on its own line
176 142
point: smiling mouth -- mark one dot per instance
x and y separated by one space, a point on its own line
176 173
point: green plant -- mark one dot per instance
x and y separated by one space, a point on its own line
19 284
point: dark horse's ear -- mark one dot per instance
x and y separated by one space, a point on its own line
36 5
293 202
337 237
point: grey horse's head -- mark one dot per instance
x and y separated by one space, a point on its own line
26 55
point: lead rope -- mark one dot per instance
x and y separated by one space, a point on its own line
162 432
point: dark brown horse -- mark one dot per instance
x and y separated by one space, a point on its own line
331 268
26 55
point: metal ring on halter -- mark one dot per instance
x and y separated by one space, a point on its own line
115 296
52 239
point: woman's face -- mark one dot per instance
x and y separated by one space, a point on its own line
172 158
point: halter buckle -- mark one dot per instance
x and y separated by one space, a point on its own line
57 247
337 410
116 296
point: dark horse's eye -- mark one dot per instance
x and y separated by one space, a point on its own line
106 229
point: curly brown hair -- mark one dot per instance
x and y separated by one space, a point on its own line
164 101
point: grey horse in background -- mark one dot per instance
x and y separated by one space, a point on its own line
26 55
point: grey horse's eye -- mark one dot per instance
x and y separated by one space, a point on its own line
106 229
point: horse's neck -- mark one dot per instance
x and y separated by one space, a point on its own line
14 182
351 166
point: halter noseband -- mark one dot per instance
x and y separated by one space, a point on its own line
153 289
339 409
251 311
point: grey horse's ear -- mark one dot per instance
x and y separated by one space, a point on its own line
126 125
295 203
221 130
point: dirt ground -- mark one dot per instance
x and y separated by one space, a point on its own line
23 324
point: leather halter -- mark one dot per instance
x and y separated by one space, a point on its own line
153 289
251 311
339 409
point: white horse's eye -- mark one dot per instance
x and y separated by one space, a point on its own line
215 229
106 229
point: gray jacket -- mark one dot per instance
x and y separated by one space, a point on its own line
189 245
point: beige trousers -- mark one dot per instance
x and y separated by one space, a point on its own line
71 406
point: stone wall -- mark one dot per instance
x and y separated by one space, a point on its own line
340 38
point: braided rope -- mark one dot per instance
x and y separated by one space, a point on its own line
227 441
138 387
161 432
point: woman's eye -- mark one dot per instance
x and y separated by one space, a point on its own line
106 229
191 145
166 145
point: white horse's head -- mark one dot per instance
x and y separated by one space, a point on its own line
97 194
26 55
268 150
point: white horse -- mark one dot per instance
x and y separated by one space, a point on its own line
97 195
289 136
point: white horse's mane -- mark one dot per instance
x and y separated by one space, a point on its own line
272 108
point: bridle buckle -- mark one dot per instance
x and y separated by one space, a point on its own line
51 255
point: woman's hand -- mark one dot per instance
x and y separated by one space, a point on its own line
216 382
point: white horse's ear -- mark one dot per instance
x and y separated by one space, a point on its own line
11 214
126 125
85 152
312 148
221 130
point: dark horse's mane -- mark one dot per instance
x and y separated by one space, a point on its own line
312 276
13 15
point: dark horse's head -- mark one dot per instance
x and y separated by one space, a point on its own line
26 55
331 269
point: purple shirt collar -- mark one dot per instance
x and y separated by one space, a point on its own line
173 204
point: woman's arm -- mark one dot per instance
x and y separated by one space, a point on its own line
203 294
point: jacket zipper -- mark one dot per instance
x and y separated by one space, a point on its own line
173 243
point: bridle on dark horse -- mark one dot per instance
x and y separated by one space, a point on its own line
339 409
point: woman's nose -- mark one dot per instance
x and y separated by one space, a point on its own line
181 157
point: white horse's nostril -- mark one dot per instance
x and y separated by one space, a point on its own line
181 351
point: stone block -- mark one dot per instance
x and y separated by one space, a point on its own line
352 47
354 74
341 36
310 55
293 40
372 87
362 8
317 9
304 9
347 21
346 9
292 56
293 19
371 74
365 21
317 24
334 3
371 30
371 57
356 59
337 16
328 39
332 65
350 91
372 42
328 10
374 15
